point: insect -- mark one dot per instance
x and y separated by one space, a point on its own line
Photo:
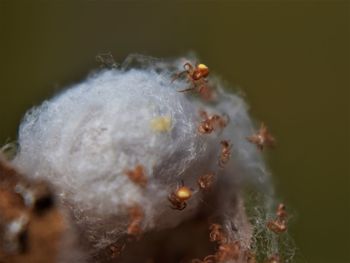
225 152
228 251
263 138
279 224
179 197
197 76
137 176
205 181
209 123
136 216
216 234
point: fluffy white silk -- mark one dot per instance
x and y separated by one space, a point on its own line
84 139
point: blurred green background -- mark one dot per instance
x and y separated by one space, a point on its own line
290 58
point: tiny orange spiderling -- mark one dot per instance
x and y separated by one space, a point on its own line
205 181
216 234
179 197
225 152
136 216
279 224
209 123
197 76
138 176
225 252
193 73
262 138
228 251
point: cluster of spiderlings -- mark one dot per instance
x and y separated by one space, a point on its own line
267 246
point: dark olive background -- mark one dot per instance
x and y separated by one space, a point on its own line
290 58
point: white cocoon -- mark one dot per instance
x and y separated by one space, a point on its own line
84 139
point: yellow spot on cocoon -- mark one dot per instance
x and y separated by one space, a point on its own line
161 124
184 193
